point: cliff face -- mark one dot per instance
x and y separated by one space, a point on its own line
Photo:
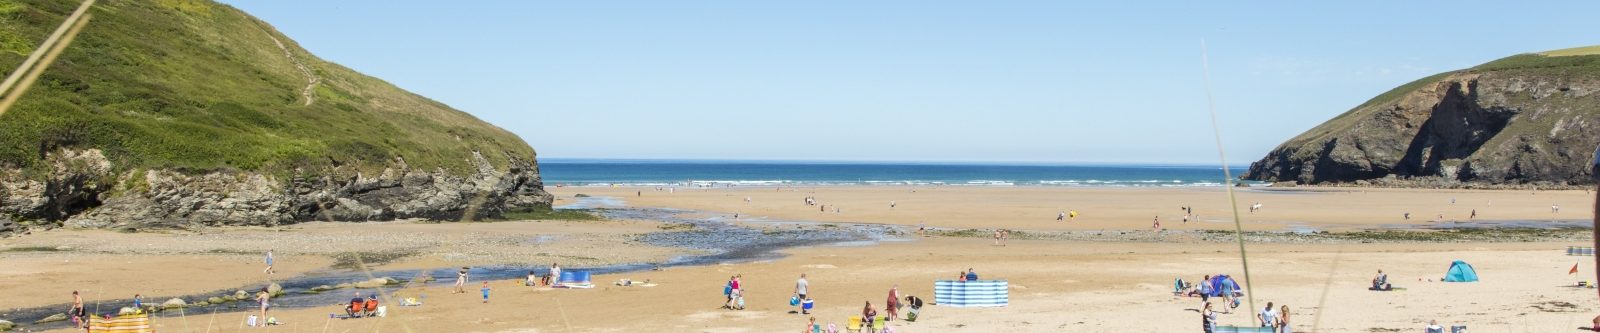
185 113
1526 119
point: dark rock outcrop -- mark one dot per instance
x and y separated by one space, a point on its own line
1528 119
84 194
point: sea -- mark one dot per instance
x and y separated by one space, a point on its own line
721 173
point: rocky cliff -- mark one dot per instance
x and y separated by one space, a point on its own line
1530 119
187 113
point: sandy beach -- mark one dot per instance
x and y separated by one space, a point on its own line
1056 285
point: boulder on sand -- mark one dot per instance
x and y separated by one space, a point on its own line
6 325
376 282
215 300
174 303
52 318
275 289
241 295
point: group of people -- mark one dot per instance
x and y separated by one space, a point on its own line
891 310
1066 215
361 308
549 279
969 275
1276 319
1001 236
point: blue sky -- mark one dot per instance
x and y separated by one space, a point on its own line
1035 81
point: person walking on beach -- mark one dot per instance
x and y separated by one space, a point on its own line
891 204
1208 318
1474 214
1005 236
892 306
1156 225
727 292
996 237
801 289
269 263
485 290
735 293
1061 216
555 274
461 280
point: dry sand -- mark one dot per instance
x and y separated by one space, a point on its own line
1076 286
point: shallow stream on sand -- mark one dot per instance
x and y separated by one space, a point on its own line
722 240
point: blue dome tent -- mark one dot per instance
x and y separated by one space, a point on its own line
1461 271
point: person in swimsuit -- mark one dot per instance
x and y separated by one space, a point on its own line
79 313
485 290
461 280
892 306
867 313
263 298
1208 318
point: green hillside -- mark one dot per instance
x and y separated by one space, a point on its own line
194 85
1524 119
1572 62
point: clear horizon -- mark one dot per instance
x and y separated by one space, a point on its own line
912 81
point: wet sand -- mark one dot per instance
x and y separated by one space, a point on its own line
1036 208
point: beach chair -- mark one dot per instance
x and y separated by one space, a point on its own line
854 325
877 323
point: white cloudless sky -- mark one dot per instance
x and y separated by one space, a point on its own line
981 81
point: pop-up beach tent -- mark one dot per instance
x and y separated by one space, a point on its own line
1220 283
1461 271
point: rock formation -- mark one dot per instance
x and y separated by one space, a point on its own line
1531 119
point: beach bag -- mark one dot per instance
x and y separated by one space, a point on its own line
251 321
727 290
794 300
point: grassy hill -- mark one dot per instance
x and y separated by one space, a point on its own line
1509 121
198 86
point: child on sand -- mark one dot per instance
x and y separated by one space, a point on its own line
485 291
